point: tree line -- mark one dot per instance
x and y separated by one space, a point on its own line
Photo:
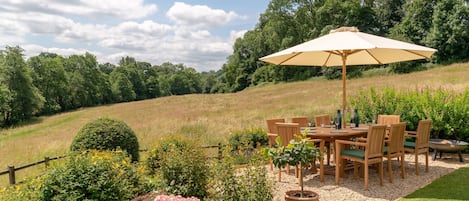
440 24
49 83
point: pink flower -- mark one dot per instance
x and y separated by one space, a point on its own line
174 198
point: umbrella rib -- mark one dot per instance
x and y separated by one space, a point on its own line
294 55
416 53
379 62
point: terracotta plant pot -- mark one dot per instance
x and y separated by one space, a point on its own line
293 195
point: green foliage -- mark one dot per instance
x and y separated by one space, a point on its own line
448 109
182 167
249 136
30 190
449 32
250 183
242 143
93 175
300 151
107 134
22 99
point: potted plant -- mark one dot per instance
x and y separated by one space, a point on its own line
300 151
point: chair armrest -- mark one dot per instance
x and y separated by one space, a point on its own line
411 133
271 135
350 143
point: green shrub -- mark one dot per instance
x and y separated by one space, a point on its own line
107 134
25 191
249 183
448 109
93 175
153 161
182 167
250 136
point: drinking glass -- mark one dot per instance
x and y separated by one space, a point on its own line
337 125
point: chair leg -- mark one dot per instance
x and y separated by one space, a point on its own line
328 153
381 172
402 166
389 169
366 176
279 174
416 163
426 161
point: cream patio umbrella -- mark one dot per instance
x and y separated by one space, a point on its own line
347 46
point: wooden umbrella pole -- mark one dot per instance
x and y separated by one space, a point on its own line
344 89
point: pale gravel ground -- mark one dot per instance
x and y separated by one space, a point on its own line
351 188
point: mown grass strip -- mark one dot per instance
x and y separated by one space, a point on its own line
453 186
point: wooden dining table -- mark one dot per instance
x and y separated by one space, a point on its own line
330 135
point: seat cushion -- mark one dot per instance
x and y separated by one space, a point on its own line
356 153
409 145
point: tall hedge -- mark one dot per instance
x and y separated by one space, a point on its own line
107 134
449 109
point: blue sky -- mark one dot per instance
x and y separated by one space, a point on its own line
197 33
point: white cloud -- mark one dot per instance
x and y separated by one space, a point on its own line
199 15
34 50
235 35
189 39
123 9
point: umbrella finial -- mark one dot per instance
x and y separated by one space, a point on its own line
344 29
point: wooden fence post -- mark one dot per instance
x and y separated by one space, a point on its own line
46 161
11 171
220 151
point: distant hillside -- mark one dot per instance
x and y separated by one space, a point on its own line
210 118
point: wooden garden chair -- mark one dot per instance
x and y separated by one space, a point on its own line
421 144
272 133
367 153
394 148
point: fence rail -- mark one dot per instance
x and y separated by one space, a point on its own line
11 170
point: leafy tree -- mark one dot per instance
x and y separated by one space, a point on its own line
121 87
416 22
450 31
389 13
50 78
130 67
88 84
22 99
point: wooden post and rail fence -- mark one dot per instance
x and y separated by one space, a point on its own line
11 170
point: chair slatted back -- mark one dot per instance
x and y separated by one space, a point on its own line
322 119
287 131
375 141
423 133
272 126
396 137
302 121
389 119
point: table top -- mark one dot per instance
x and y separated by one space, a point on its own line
334 133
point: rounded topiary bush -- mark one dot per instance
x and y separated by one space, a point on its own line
93 175
107 134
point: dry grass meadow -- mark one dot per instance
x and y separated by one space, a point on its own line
209 118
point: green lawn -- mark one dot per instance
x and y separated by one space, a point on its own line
454 186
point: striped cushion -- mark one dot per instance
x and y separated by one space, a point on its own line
409 145
356 153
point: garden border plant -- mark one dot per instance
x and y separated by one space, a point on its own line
448 108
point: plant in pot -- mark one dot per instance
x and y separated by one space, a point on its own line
299 152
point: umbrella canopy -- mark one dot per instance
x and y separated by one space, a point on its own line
347 46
